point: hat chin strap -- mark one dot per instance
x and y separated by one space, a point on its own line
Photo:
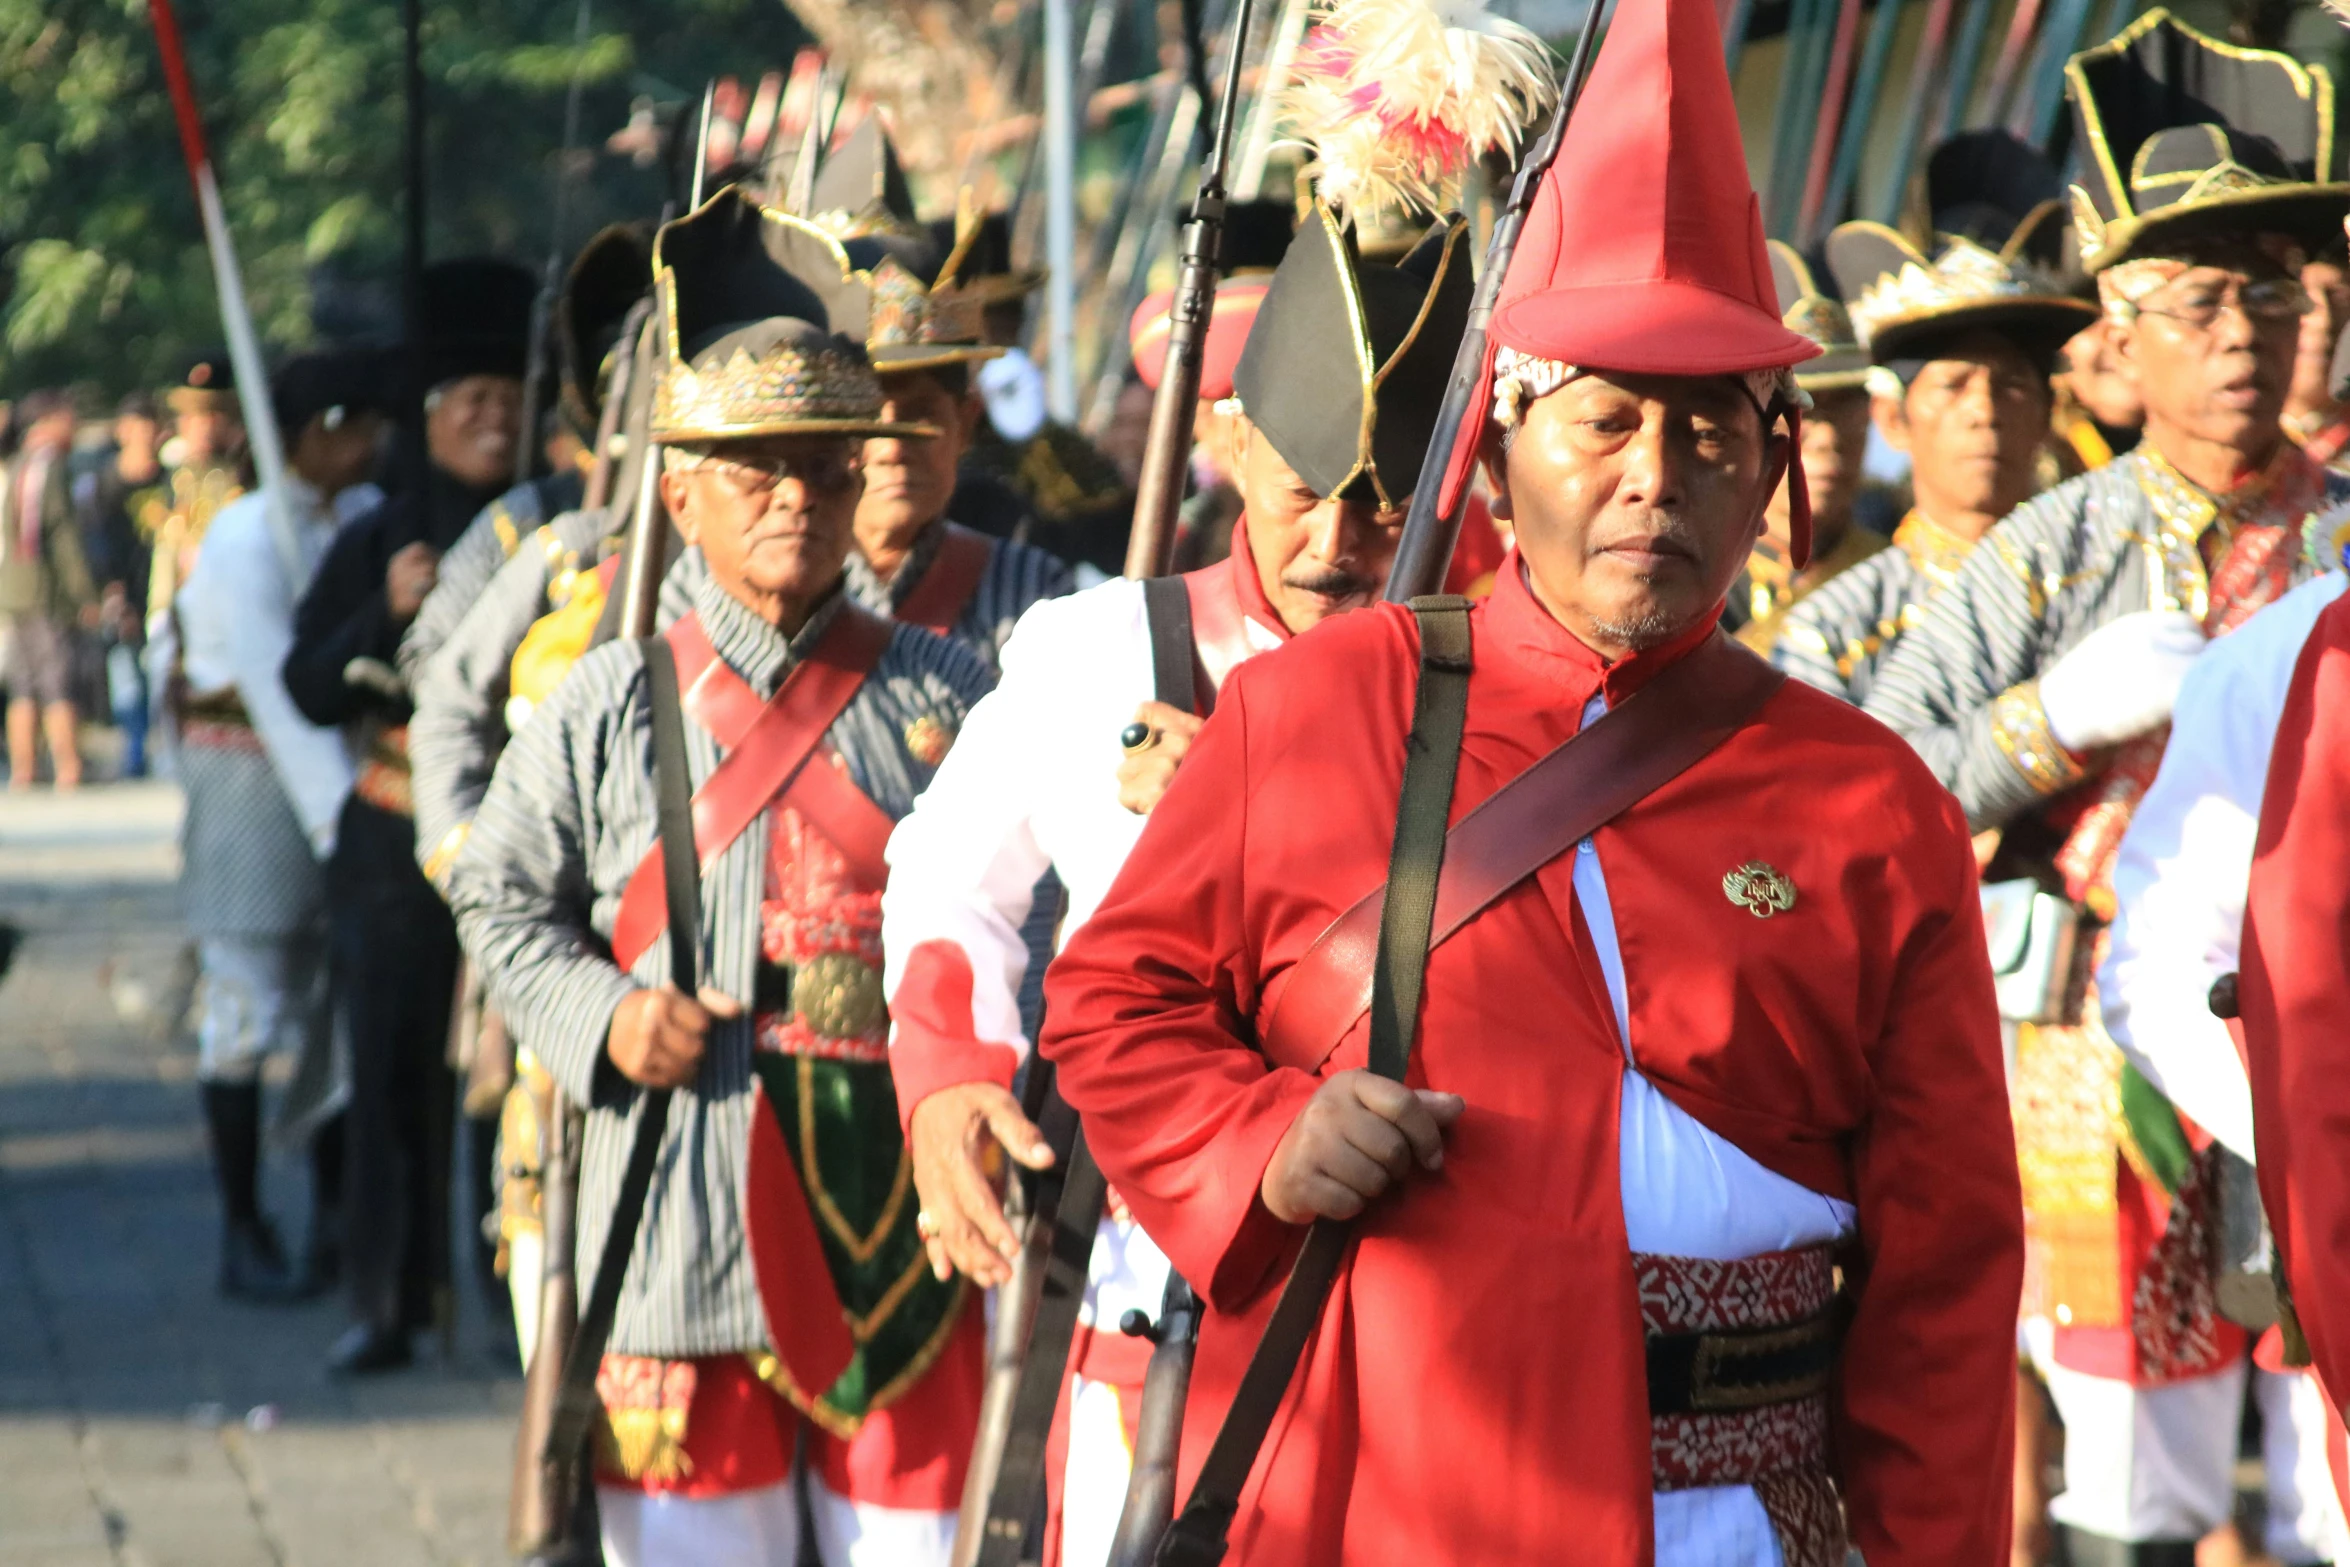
1798 493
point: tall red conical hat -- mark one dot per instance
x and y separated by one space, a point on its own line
1644 247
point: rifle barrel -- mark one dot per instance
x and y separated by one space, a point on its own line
1159 491
1424 553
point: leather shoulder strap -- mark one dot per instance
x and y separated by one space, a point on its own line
939 599
1408 902
766 760
1633 750
1166 611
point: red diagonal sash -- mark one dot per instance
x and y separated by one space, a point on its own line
947 584
767 746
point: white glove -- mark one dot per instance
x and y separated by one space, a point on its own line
1012 387
2121 679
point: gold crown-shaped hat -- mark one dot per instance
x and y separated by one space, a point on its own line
2188 136
763 325
1806 307
1900 297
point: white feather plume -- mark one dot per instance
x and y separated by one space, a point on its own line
1398 97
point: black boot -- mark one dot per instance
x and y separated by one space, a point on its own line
252 1265
367 1348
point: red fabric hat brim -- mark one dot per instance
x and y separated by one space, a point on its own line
1235 312
1654 327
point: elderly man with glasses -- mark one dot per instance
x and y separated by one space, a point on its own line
2039 688
778 1326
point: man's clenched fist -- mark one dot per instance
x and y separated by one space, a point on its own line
1358 1135
657 1036
954 1133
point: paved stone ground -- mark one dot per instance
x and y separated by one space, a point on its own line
145 1421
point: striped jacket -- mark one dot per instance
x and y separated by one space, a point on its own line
1963 687
467 566
1836 637
536 888
1017 575
461 691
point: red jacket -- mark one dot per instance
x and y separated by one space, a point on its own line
1475 1390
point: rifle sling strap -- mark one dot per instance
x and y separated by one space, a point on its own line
576 1404
1436 883
1077 1213
1431 763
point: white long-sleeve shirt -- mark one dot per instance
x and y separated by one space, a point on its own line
2180 877
236 625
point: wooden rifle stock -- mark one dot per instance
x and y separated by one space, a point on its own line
1007 1339
1158 492
1429 532
542 1509
550 1482
1158 1431
616 398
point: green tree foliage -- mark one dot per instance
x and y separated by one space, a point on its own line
104 278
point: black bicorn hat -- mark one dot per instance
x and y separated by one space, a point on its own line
609 275
985 271
763 325
1349 359
1991 185
860 187
476 319
1256 233
2185 136
1808 306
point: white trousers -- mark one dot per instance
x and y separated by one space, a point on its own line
2305 1522
1101 1457
2159 1463
762 1529
261 994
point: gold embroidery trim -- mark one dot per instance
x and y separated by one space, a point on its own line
860 1247
2019 725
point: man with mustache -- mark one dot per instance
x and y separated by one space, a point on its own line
1660 1078
2039 685
1961 345
777 1332
1060 766
395 951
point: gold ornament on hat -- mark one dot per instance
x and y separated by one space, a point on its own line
783 391
1963 274
1759 889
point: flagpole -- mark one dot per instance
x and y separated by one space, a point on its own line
236 318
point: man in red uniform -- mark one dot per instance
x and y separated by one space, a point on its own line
2294 997
1662 1085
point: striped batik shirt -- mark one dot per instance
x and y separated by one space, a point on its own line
461 691
1837 636
1963 687
1017 575
568 817
466 567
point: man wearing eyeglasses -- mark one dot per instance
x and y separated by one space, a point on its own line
778 1331
2039 688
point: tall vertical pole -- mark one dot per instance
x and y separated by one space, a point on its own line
412 248
1060 224
1964 64
1924 72
236 319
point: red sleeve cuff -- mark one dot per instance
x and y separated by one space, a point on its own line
933 1043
